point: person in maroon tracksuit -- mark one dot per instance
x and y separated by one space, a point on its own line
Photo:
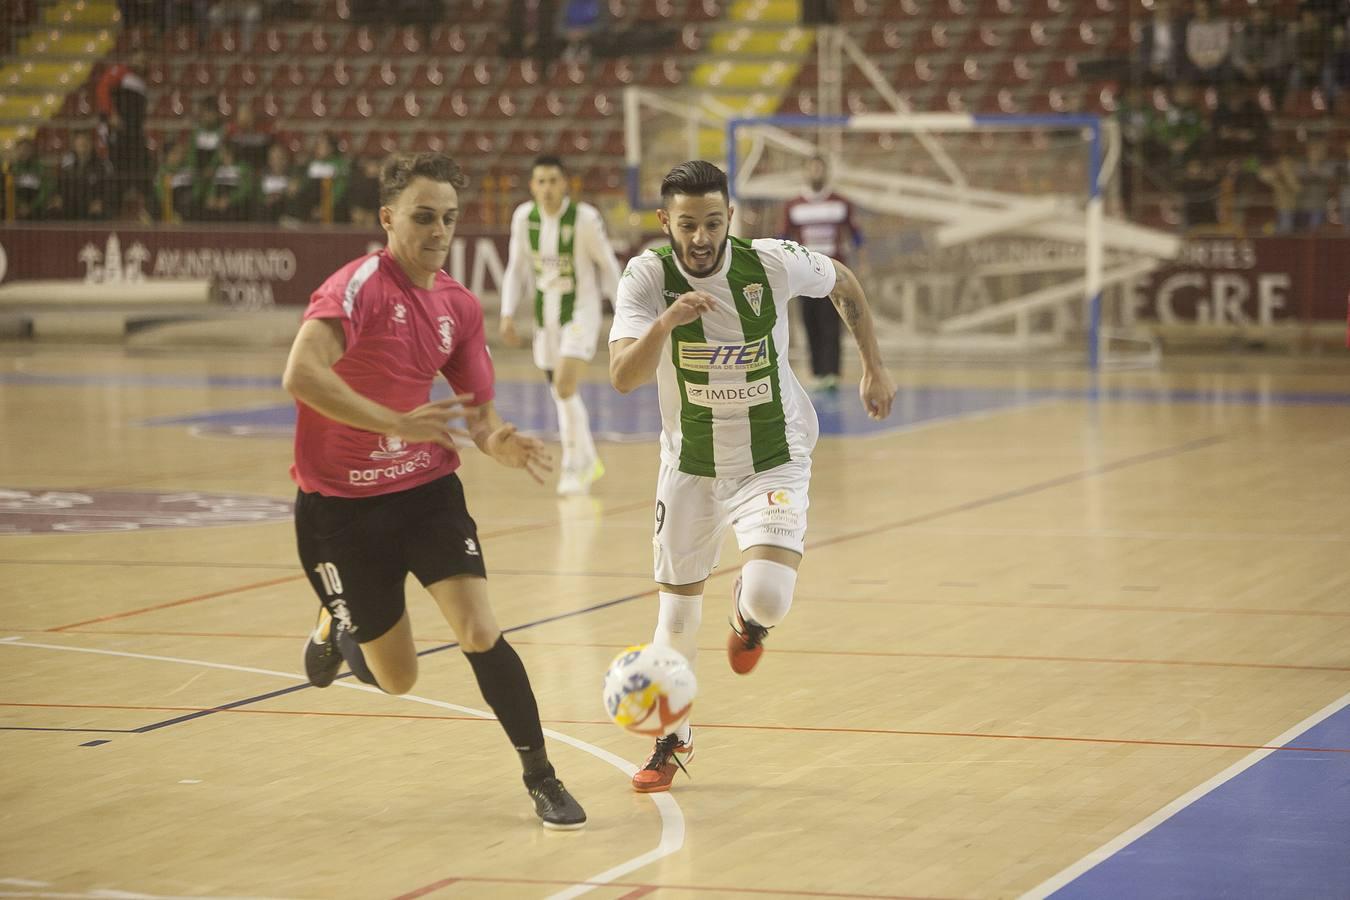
822 221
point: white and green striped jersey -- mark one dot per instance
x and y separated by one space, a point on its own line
558 262
730 404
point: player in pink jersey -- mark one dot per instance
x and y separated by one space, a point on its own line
375 462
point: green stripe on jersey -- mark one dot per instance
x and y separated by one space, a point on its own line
567 232
750 289
696 422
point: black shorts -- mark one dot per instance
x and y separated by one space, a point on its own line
358 552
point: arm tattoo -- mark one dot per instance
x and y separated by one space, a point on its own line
847 306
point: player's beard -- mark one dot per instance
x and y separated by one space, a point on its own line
682 253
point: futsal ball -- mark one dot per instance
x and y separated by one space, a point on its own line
649 690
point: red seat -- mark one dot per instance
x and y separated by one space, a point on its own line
357 107
428 76
360 42
409 106
290 77
316 41
336 74
522 73
241 76
382 77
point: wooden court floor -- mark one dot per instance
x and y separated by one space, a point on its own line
1022 628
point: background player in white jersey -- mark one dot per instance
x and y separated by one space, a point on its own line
707 316
560 263
375 463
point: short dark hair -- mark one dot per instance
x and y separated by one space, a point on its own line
694 179
400 169
548 159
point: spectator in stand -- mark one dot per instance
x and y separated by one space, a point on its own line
120 99
85 182
176 186
1343 172
244 13
1180 131
1161 44
229 189
1242 130
1316 174
207 135
532 29
249 139
1312 47
1199 190
1136 115
1261 53
34 189
363 194
278 187
1283 181
327 169
1209 41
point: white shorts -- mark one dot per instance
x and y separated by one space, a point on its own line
575 340
693 512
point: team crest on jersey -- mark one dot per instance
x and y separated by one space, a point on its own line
565 236
754 295
446 326
400 314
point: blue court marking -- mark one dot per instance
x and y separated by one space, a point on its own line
94 743
637 416
616 416
1278 829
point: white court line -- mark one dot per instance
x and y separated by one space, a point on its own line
1054 883
672 817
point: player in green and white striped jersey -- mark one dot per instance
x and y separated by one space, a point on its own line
561 262
707 316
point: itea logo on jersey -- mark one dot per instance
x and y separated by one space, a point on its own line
703 357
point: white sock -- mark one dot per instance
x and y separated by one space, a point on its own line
766 591
583 445
677 626
566 433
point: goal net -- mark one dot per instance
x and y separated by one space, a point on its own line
984 236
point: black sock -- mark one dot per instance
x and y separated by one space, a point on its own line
506 688
356 660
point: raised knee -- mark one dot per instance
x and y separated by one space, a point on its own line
397 682
766 590
477 639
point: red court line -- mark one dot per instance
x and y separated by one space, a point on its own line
882 654
647 888
636 893
792 729
145 609
423 891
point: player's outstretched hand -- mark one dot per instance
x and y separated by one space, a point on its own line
510 337
427 423
510 448
877 391
690 306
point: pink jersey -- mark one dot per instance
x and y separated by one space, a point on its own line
398 337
